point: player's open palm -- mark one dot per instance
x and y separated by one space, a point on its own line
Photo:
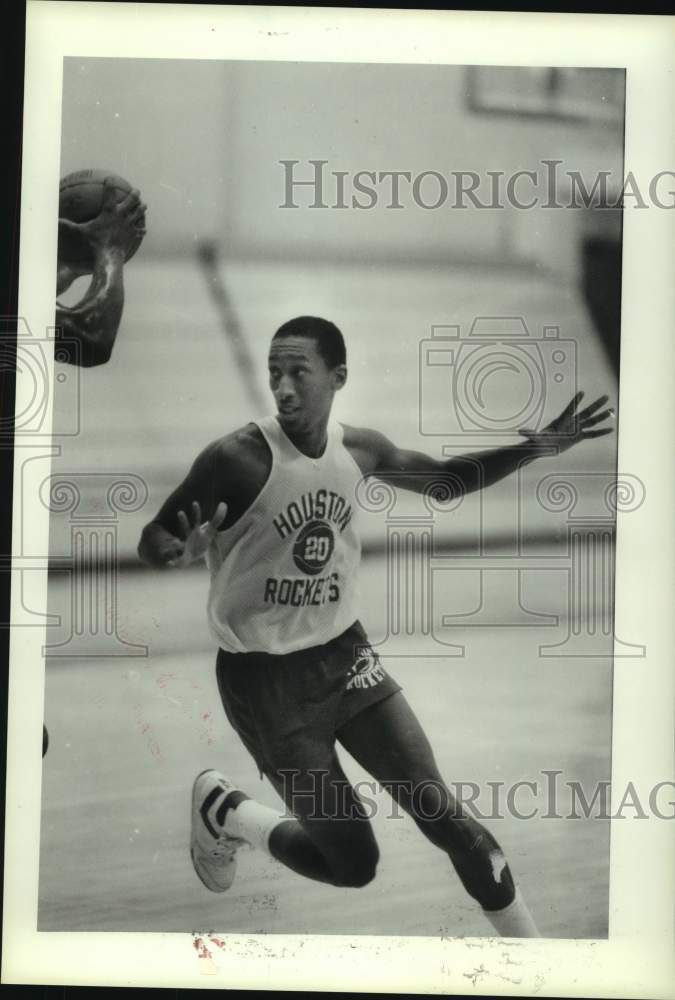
572 425
197 535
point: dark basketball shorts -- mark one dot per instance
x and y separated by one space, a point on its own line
288 708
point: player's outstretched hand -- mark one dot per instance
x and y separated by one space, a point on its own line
119 224
572 426
197 536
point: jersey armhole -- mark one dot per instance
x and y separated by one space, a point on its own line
361 474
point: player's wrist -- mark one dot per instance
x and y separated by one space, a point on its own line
534 447
178 559
113 252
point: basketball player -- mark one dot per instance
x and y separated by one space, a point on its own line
272 508
86 332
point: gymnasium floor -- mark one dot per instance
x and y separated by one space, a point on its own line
128 734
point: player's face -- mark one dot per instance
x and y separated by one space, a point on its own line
302 383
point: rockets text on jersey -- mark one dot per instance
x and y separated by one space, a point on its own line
284 575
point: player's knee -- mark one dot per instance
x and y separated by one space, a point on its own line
356 875
483 871
358 869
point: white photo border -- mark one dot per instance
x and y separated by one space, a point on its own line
637 958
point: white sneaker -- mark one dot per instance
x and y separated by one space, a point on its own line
213 851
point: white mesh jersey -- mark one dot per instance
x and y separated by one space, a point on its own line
283 577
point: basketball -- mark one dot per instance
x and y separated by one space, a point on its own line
81 199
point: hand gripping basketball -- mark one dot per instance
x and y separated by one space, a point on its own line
98 208
121 222
197 536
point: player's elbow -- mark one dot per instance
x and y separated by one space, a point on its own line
80 343
94 354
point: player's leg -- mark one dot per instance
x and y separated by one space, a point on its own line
284 717
224 817
324 834
388 740
331 837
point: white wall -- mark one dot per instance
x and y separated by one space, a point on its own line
203 141
162 124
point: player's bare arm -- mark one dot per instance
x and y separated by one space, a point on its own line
87 331
415 471
222 484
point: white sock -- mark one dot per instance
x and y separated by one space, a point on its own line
253 822
515 920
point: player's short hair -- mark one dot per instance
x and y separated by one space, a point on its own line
328 339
